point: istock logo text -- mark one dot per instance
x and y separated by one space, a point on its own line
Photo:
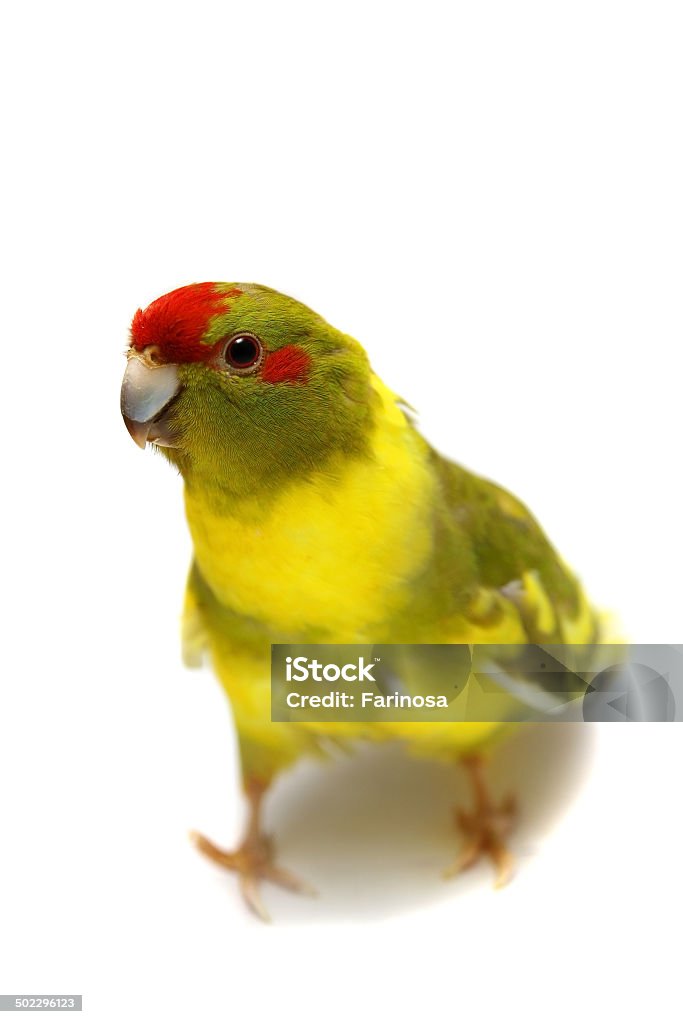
300 669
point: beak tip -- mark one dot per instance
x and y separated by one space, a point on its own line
138 431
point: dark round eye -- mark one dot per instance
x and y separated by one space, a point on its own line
243 352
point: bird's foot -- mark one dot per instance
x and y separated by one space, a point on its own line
253 862
485 829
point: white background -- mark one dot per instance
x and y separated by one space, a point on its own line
487 195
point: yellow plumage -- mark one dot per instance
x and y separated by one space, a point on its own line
313 561
304 558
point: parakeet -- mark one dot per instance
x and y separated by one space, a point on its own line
319 514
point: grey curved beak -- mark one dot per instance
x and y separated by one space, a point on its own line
146 392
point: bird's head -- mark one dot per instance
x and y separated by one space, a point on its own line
241 386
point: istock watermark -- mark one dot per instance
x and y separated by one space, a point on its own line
300 670
476 683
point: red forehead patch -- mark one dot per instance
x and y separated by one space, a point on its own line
288 363
176 322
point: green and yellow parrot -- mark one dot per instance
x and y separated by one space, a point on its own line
319 514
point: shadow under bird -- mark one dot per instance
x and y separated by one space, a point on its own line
319 514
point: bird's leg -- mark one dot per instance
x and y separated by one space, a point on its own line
253 859
485 827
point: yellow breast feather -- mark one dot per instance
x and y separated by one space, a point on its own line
314 557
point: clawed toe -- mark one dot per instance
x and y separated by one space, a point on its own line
485 829
253 862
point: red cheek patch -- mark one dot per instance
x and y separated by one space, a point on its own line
290 363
